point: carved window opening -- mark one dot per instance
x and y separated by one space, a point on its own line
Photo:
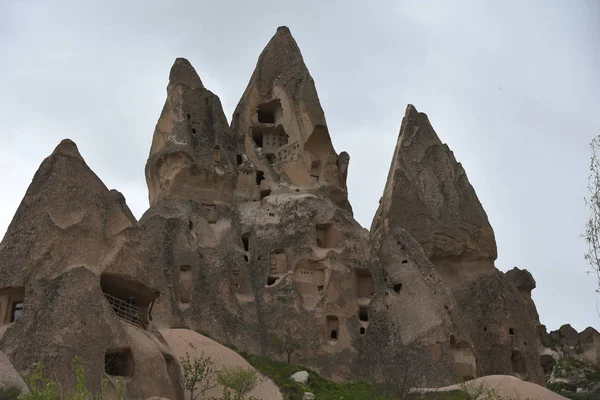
239 159
315 168
118 362
265 193
518 363
397 287
257 135
216 155
269 113
17 310
404 261
464 359
185 284
210 212
260 176
131 301
246 241
511 331
12 302
363 314
363 283
271 280
333 327
362 330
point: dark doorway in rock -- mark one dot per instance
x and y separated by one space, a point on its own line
259 177
511 331
518 363
271 280
118 362
269 112
239 159
257 135
397 287
333 327
246 241
363 314
362 330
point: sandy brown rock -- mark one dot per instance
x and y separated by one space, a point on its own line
428 194
70 241
193 154
250 234
283 127
185 341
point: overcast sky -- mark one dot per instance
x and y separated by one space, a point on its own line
512 86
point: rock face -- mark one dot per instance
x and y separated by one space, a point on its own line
192 154
67 262
283 127
428 195
250 239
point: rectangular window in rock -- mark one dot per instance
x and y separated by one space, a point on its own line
278 262
185 284
363 314
210 212
118 362
269 113
333 327
363 283
327 236
12 302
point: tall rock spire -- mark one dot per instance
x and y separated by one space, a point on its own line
193 152
283 124
428 194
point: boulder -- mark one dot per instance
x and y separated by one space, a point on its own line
308 396
185 341
300 377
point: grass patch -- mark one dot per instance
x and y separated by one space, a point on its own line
323 389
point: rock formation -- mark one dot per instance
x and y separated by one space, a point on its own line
250 237
428 196
69 257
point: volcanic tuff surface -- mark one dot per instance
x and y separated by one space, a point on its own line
250 234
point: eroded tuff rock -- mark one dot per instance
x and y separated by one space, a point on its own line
71 243
283 127
428 194
193 154
250 234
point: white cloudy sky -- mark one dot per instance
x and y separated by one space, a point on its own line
512 86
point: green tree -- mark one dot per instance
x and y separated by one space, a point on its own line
240 380
592 227
285 344
198 374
